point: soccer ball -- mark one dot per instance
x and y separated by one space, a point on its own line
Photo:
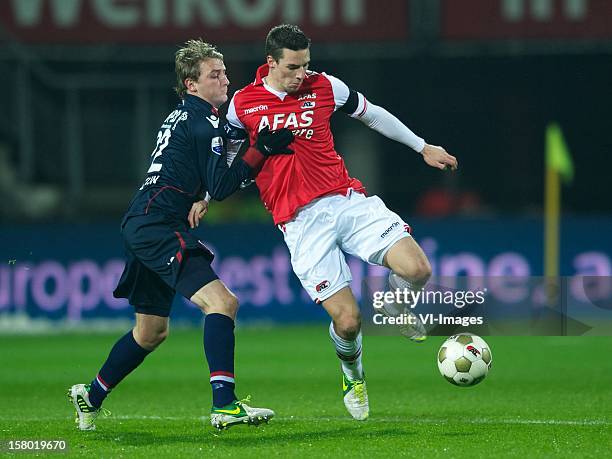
464 359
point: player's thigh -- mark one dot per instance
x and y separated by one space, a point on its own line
368 229
146 291
165 251
316 258
325 278
407 259
195 275
215 297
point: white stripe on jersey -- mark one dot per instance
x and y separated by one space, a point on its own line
341 93
232 116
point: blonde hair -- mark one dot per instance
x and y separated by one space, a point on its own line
187 62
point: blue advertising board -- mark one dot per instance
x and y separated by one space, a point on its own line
68 272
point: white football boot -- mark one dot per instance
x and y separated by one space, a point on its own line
356 397
237 413
86 414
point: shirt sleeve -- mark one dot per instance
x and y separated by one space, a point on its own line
235 138
345 99
219 179
382 121
357 106
232 116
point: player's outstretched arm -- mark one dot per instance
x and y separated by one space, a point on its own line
382 121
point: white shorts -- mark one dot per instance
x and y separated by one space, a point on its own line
322 230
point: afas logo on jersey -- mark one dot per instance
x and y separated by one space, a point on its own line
216 145
286 120
308 96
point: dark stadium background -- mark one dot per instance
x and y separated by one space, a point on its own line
84 86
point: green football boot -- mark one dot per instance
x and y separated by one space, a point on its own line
356 397
238 412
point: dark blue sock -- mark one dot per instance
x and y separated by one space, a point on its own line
219 349
124 357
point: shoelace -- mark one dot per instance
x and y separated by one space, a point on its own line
102 411
358 386
246 399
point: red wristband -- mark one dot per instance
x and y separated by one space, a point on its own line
254 159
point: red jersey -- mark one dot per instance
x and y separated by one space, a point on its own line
288 182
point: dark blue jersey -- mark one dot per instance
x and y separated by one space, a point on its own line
189 160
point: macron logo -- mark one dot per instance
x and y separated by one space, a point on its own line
255 109
388 230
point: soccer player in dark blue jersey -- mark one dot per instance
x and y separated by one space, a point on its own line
190 159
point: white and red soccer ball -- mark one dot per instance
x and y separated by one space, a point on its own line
464 359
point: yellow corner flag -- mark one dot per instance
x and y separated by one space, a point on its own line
558 157
558 165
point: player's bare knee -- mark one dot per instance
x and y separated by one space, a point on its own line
418 271
348 325
150 339
226 304
229 305
422 271
159 337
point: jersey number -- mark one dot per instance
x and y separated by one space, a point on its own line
163 137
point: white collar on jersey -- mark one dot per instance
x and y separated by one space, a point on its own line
280 94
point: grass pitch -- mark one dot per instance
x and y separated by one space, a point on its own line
545 396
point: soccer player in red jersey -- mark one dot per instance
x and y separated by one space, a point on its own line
320 209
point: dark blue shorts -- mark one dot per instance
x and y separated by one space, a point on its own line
163 258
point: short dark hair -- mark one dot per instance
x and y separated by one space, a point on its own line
287 36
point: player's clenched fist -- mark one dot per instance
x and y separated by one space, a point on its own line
274 142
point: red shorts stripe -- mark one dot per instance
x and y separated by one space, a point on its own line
181 240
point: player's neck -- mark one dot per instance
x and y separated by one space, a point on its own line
196 94
272 83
